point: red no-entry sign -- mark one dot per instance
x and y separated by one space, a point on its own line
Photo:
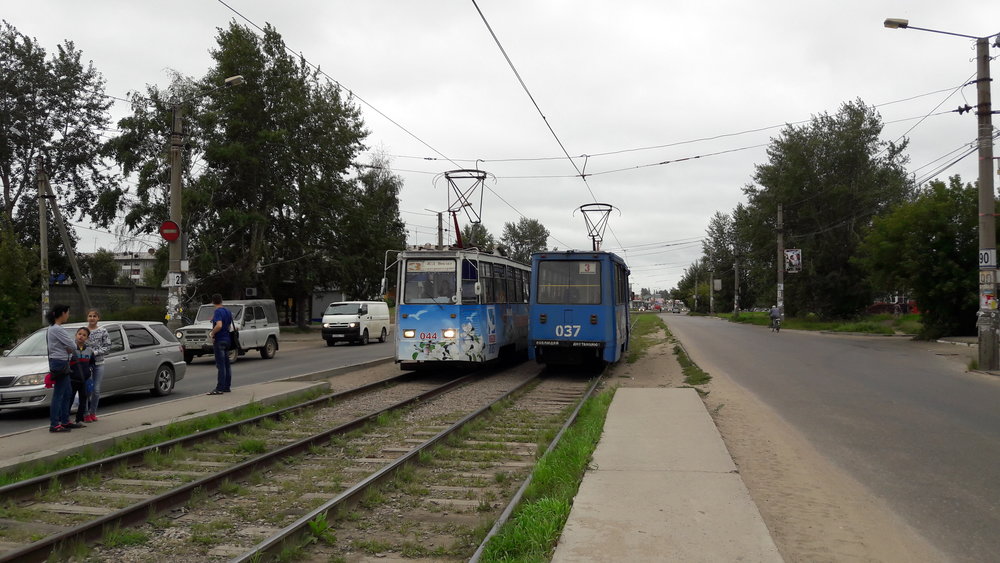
170 231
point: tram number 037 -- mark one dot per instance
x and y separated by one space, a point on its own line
568 330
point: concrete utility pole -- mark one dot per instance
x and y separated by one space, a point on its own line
78 281
781 264
988 321
175 273
736 288
43 236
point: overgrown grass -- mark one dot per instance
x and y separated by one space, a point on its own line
693 375
169 432
643 335
531 534
869 324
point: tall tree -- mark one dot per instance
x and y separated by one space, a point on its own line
477 235
524 237
832 176
935 262
101 267
19 283
53 108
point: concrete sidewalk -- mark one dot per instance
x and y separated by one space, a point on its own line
663 487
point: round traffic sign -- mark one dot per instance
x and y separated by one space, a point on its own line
170 231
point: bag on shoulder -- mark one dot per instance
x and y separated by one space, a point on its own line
234 339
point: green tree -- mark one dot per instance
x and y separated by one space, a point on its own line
52 109
477 235
19 287
523 238
153 277
935 261
373 228
832 177
101 266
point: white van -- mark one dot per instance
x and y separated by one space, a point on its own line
355 321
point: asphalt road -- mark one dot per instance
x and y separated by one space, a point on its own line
908 422
305 354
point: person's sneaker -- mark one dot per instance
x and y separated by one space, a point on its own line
58 428
90 418
74 425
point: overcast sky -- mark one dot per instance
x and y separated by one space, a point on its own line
651 81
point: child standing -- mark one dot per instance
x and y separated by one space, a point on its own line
100 342
82 366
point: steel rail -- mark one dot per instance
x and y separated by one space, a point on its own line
272 546
140 512
28 487
516 499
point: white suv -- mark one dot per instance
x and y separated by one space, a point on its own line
255 319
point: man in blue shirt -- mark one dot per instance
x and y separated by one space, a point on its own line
222 323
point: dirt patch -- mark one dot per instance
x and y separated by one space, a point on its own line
814 511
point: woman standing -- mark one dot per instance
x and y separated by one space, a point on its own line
100 342
60 348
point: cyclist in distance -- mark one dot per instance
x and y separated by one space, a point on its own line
775 318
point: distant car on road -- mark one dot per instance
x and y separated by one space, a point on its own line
144 356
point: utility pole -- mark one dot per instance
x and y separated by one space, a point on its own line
440 244
175 273
43 236
81 284
736 288
781 264
988 321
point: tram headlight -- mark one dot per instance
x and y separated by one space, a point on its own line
448 333
409 333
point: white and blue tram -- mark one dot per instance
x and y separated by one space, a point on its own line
460 307
579 307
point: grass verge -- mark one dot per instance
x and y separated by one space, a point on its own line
531 534
643 335
870 324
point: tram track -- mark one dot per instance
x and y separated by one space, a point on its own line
223 504
75 506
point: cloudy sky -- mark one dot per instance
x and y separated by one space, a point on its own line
674 102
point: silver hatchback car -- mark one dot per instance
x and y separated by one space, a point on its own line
144 356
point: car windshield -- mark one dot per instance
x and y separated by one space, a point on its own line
34 345
342 309
205 312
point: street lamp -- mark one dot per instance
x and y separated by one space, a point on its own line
987 323
176 276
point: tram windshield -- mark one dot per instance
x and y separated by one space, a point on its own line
572 282
429 281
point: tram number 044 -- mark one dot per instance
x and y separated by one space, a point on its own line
568 330
428 335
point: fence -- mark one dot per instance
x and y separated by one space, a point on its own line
107 297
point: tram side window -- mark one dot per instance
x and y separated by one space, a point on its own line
569 282
499 283
519 286
486 280
470 275
511 286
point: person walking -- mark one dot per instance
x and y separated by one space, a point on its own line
82 365
100 342
60 351
222 324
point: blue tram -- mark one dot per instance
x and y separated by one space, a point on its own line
579 307
460 307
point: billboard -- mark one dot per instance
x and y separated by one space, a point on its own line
793 260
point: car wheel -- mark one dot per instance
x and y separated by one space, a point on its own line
233 354
188 357
270 348
364 338
163 382
383 337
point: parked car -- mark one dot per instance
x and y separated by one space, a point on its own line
255 319
144 356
